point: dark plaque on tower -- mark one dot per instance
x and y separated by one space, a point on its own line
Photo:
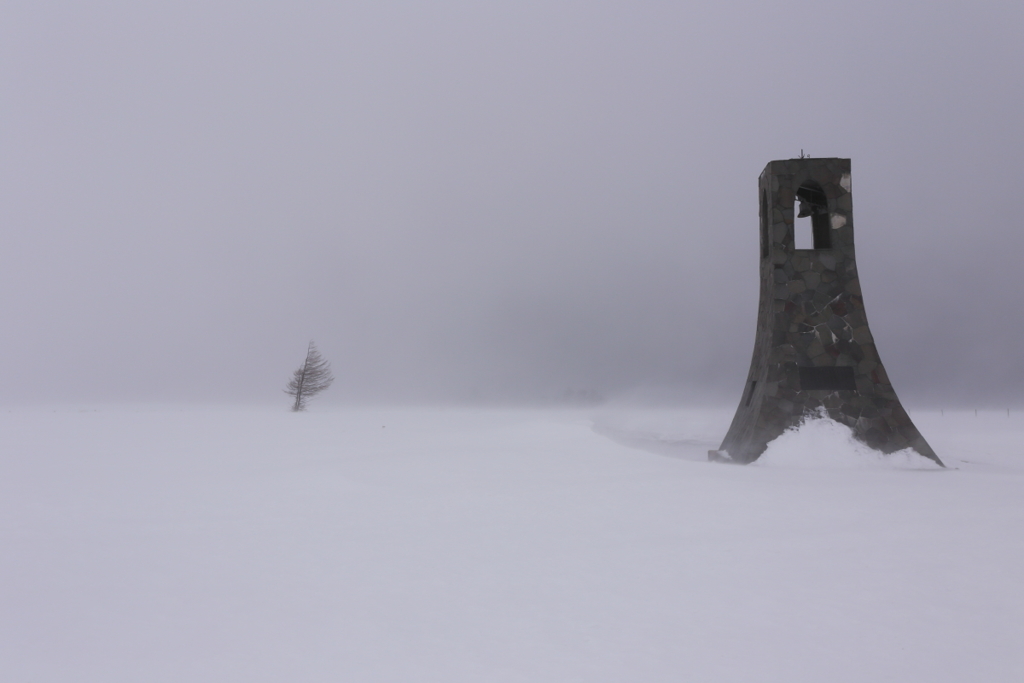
813 350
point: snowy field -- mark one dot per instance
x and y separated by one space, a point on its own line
406 545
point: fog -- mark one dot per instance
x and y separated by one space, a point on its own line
465 201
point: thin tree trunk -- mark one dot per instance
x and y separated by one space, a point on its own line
302 380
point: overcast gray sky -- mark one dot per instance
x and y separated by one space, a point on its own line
490 200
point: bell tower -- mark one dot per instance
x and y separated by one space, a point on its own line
813 349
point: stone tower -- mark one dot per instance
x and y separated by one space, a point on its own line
813 348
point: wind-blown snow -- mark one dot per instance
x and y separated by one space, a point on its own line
497 545
822 442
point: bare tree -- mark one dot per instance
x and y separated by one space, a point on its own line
310 379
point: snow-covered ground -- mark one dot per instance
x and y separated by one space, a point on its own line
449 545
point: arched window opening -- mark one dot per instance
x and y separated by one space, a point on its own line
811 229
